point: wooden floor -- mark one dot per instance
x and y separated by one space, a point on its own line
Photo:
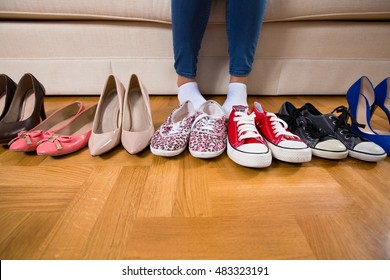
122 206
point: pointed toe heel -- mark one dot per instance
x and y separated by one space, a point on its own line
26 109
107 124
361 98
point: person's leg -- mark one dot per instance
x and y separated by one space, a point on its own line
189 21
243 23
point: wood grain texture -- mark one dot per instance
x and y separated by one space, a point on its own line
122 206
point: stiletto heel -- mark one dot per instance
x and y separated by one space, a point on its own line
25 110
361 98
382 98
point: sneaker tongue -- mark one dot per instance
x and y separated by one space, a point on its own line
241 108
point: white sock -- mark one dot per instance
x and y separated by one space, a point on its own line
190 91
236 95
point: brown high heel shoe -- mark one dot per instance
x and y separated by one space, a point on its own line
26 110
7 92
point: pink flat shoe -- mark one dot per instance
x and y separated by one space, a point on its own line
71 138
27 141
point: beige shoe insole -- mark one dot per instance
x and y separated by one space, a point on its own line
110 114
83 129
80 125
138 120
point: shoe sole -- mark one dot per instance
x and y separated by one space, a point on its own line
206 154
367 157
289 154
254 160
23 151
58 155
329 154
163 153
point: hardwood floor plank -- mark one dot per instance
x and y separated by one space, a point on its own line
44 176
118 155
158 198
70 234
9 222
217 238
358 183
36 198
345 236
28 236
192 196
109 235
276 191
9 158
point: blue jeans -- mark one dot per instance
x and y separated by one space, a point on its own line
243 23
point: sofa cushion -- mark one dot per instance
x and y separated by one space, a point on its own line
303 57
160 10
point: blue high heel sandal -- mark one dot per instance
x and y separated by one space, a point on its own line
382 98
361 98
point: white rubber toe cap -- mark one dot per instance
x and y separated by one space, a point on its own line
369 148
332 145
253 148
291 144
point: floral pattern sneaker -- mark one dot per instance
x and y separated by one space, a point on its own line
245 146
209 132
284 145
173 135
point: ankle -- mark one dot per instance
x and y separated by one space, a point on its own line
184 80
190 91
239 79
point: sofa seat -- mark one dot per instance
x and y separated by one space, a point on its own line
306 47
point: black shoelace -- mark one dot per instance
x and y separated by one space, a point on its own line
342 122
296 120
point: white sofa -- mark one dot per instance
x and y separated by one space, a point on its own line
306 46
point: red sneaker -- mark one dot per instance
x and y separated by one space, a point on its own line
284 145
245 145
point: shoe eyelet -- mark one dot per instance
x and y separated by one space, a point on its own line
334 122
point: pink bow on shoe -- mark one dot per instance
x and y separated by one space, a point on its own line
28 141
58 140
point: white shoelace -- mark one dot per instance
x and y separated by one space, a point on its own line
207 122
279 126
246 125
175 128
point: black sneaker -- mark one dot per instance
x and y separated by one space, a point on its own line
338 126
321 143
